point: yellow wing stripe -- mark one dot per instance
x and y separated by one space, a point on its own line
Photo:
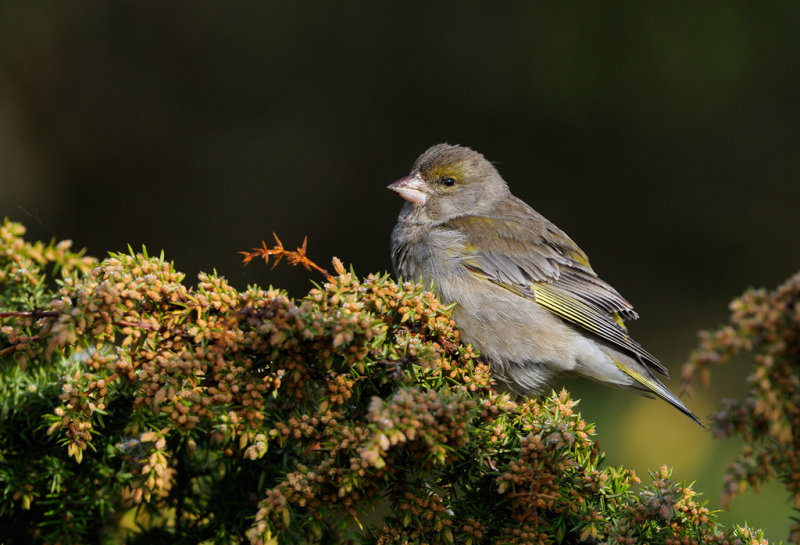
577 312
583 315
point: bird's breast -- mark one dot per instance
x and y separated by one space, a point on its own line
432 254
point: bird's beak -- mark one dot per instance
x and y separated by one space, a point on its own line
412 188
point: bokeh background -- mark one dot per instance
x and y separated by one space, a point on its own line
664 138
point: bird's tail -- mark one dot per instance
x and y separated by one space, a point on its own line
646 381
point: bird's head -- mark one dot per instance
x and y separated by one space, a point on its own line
450 181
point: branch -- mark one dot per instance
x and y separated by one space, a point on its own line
297 257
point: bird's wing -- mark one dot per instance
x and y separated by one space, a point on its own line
535 259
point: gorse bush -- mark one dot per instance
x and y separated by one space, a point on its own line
138 409
765 327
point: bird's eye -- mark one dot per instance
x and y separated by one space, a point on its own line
448 181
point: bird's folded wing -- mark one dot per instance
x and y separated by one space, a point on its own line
545 266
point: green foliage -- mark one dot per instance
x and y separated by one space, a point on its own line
765 326
136 408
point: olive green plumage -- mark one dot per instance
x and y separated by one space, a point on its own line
525 293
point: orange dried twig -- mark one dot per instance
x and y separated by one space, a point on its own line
297 257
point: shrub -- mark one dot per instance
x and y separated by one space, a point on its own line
205 414
765 328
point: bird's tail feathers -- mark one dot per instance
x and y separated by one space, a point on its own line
649 383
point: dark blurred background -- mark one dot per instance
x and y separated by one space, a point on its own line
665 139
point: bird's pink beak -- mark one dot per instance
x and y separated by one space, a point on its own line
412 188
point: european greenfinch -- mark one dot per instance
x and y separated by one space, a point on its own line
524 292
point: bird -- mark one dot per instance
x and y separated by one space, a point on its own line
525 294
